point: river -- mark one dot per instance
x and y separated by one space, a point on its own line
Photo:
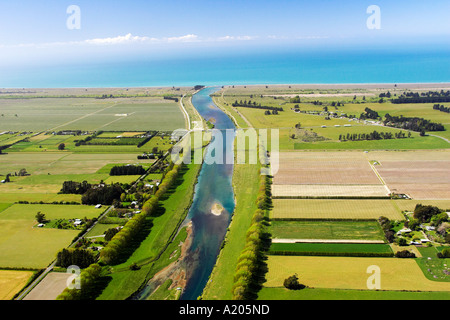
214 189
214 186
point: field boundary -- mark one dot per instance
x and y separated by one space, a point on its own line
327 241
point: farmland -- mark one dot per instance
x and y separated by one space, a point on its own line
350 273
312 115
349 230
24 245
328 192
11 282
55 136
336 209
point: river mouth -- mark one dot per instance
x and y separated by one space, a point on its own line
210 213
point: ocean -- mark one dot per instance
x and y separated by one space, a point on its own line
297 66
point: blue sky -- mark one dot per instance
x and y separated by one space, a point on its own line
35 31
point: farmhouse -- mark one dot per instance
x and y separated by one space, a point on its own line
404 230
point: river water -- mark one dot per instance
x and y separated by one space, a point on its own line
214 187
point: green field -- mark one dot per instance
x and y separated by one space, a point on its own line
287 119
23 245
342 294
432 267
350 273
337 230
366 249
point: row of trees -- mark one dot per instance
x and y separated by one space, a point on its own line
250 262
441 108
375 135
250 104
112 252
127 170
414 124
424 97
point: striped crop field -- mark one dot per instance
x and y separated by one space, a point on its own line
335 209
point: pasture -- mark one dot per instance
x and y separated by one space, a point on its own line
353 103
350 273
23 245
327 230
337 249
345 294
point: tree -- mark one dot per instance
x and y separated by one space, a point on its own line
40 217
292 283
405 254
61 146
110 233
444 254
424 213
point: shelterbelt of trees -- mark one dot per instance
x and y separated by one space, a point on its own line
251 261
415 97
250 104
414 124
441 108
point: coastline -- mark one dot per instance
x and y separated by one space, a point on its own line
93 90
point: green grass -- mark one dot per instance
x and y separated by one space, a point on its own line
431 266
427 142
336 294
345 230
4 206
163 292
100 229
321 248
51 211
122 179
